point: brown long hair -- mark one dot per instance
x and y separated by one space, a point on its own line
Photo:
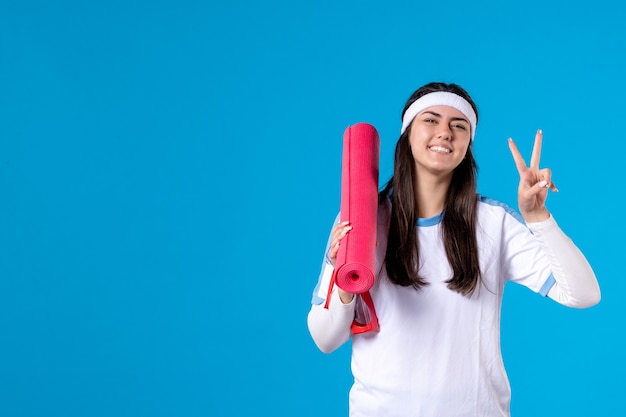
458 223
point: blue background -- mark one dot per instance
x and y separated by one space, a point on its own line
169 173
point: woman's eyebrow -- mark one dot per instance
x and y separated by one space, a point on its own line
454 119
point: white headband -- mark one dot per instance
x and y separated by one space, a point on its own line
440 98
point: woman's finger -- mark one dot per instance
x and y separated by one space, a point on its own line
517 157
339 229
536 155
344 232
542 185
553 187
332 254
546 175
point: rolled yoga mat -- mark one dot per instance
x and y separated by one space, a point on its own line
356 258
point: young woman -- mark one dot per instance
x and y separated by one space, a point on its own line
444 255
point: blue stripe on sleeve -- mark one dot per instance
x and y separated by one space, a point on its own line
508 209
547 285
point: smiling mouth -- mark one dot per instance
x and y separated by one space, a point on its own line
439 149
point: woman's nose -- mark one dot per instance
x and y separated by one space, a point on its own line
444 133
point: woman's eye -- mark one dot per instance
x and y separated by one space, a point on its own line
429 120
459 126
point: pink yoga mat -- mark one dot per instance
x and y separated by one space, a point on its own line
356 258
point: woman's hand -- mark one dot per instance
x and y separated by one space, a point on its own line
339 232
534 183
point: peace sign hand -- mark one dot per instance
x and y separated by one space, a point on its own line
534 183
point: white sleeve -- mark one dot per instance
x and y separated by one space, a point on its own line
576 284
330 327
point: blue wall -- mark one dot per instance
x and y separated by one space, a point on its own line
169 173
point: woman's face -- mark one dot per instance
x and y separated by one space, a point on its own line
439 138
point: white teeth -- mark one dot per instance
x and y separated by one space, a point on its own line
440 149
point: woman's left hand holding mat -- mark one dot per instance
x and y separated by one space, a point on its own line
339 232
